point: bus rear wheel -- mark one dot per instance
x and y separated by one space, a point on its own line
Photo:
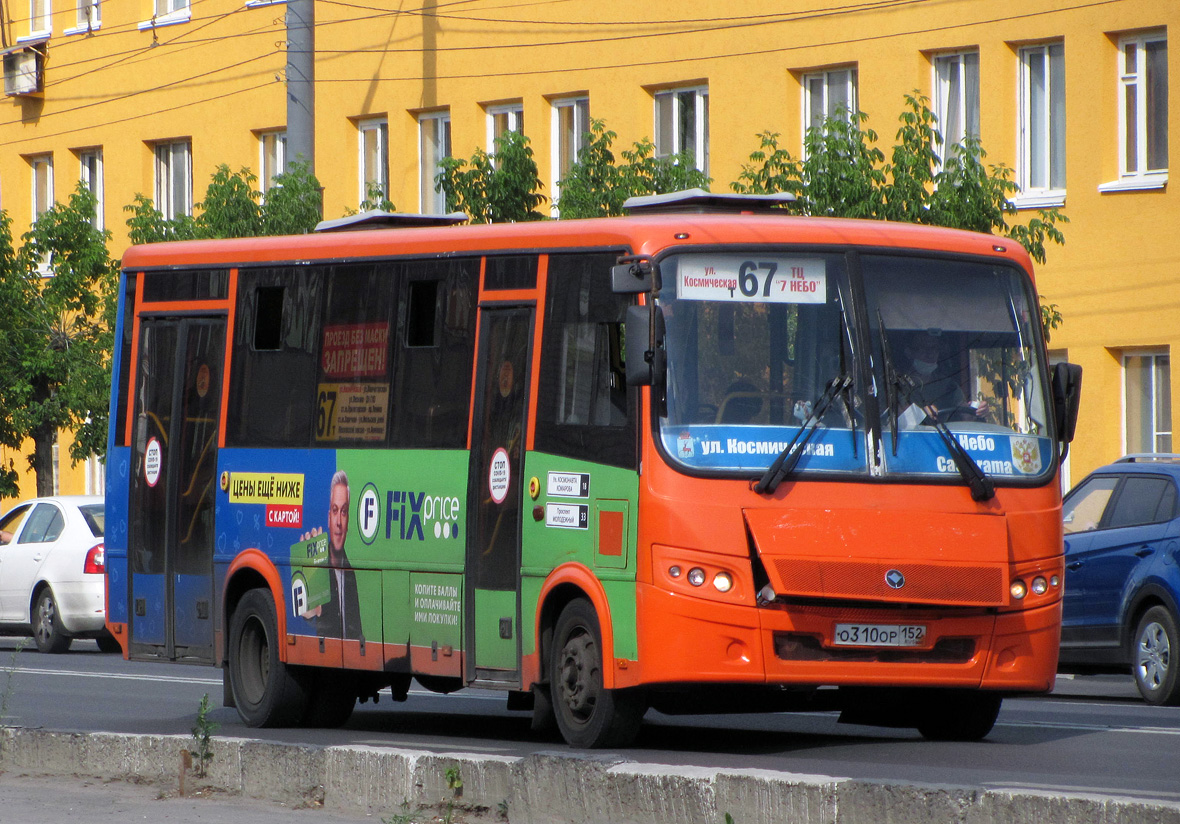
958 716
266 692
588 715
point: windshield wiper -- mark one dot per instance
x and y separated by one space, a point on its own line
982 487
784 464
891 381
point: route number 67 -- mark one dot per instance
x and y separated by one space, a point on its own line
748 277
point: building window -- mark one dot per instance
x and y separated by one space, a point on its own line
434 143
91 176
1143 101
40 17
682 124
166 13
174 178
956 98
571 125
1148 385
87 18
825 94
1042 121
374 160
96 476
272 148
42 184
501 119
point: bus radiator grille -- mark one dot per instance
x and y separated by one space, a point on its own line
865 580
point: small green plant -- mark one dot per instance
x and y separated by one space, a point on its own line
728 819
9 672
406 816
455 785
203 737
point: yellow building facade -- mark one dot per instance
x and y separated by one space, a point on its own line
148 96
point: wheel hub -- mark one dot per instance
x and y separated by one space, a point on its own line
576 685
1154 656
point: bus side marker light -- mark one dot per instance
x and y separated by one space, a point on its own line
1054 581
723 581
1018 589
696 576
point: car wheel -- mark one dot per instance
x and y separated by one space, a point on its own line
1156 641
47 630
267 693
587 714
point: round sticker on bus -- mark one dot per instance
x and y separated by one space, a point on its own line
153 460
499 476
203 379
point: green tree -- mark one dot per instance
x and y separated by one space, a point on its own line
843 173
234 208
57 308
597 185
494 189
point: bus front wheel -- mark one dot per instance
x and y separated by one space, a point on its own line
587 714
265 690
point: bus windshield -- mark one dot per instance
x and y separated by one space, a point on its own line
764 357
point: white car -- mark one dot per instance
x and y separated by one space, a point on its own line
52 567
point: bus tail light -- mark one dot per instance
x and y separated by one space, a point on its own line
96 561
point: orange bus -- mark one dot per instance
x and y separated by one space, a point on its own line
709 457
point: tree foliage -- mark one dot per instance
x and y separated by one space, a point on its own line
843 173
500 188
233 207
57 309
597 185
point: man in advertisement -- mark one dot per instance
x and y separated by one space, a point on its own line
340 617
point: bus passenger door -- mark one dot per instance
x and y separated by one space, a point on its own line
177 418
495 496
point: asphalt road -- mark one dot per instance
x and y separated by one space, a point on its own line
1092 735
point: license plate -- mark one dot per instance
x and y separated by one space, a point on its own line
879 635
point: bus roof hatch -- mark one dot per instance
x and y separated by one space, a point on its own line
698 201
379 219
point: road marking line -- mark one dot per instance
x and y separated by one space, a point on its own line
128 676
1058 725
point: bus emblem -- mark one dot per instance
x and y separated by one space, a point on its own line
895 579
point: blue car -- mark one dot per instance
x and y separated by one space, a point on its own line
1122 574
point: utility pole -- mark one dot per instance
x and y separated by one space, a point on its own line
301 82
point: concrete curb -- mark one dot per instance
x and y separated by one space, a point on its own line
550 787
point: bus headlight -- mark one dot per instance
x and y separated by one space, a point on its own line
1018 589
1039 585
696 576
674 571
723 582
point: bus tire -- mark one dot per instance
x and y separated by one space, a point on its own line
331 698
267 693
955 715
588 715
1153 664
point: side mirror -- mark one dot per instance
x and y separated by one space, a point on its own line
631 276
1067 395
646 361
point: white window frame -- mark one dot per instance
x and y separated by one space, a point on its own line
168 13
434 143
174 177
570 123
90 173
1041 149
377 130
946 102
88 17
40 19
820 95
272 157
671 102
1158 416
96 475
42 189
501 118
1134 81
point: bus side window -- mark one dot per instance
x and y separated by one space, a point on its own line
585 409
434 352
276 339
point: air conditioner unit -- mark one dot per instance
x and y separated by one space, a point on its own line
24 72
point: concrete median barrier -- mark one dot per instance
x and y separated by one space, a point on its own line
560 787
